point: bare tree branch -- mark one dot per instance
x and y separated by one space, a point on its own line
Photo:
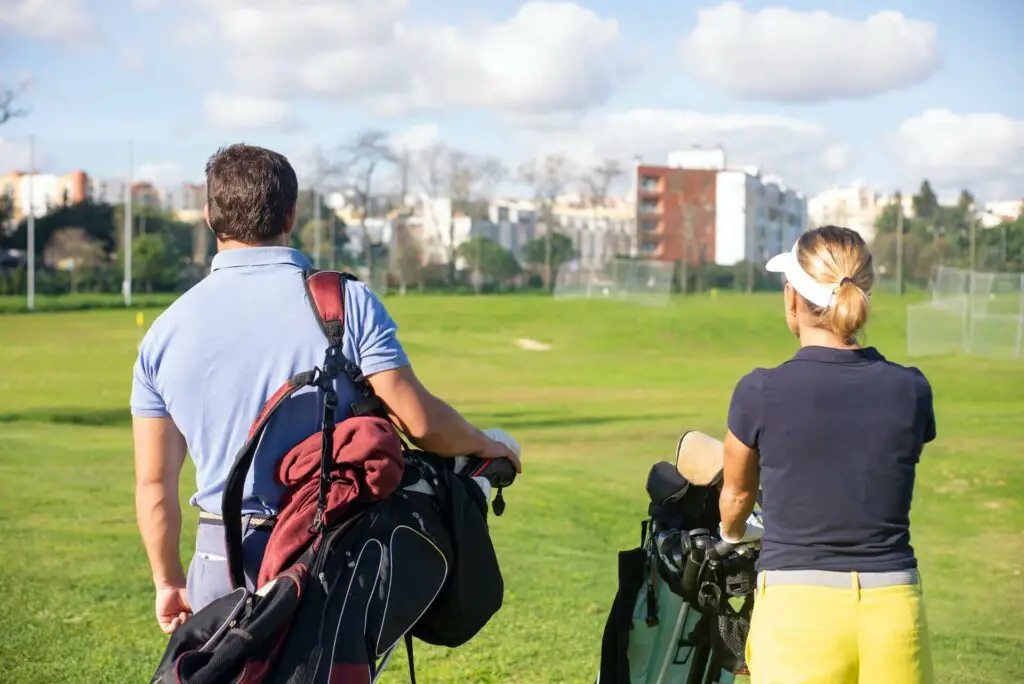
548 178
8 97
358 161
598 184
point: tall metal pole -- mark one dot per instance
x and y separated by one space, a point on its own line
899 244
334 240
31 251
126 286
973 227
316 227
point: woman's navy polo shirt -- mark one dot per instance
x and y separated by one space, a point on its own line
840 433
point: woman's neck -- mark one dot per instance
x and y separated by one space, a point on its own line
819 337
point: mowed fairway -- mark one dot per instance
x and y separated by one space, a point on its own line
611 397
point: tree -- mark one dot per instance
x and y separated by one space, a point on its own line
466 179
597 185
332 238
926 204
552 250
149 259
8 99
548 178
359 161
99 220
489 259
74 249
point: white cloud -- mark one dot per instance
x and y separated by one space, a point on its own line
548 56
236 112
982 150
803 153
147 5
56 20
836 157
785 55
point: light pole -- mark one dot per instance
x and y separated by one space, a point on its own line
31 242
126 286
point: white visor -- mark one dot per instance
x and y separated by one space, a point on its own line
813 291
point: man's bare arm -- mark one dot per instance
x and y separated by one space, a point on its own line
159 455
740 477
430 422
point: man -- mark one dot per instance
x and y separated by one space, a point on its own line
214 357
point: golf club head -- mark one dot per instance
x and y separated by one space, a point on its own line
699 458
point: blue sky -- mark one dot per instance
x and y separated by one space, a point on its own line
817 92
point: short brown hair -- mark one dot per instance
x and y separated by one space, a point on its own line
250 191
839 257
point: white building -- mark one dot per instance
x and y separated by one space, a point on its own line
855 207
995 213
756 217
599 234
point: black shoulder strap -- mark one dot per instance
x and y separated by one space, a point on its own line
326 291
231 502
327 296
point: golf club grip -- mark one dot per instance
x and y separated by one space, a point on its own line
500 472
721 549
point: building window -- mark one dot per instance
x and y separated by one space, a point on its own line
649 183
649 225
649 205
648 248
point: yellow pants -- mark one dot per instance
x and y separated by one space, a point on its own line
803 634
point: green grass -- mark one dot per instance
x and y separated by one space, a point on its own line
610 398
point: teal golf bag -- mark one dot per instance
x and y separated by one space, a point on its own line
682 610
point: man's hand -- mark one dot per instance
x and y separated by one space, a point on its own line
160 452
429 422
495 449
172 608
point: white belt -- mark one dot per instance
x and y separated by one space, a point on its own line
839 580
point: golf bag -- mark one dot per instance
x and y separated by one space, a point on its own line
681 613
378 542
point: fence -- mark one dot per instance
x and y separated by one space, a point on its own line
970 312
641 282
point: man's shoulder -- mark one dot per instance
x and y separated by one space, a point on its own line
188 306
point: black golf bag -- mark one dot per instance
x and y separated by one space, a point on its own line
681 613
417 562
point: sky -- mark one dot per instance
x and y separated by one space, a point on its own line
821 93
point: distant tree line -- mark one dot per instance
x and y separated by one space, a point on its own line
941 235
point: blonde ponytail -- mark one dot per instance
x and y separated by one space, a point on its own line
849 311
839 257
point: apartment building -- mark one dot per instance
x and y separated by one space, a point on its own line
699 208
39 193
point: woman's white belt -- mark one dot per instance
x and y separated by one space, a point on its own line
839 580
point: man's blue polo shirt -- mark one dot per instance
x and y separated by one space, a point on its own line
214 357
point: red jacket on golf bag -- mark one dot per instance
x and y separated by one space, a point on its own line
367 465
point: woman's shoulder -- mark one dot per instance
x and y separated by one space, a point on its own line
912 374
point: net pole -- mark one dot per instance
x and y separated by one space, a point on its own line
316 227
126 285
1020 319
31 240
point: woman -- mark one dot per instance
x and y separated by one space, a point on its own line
832 437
